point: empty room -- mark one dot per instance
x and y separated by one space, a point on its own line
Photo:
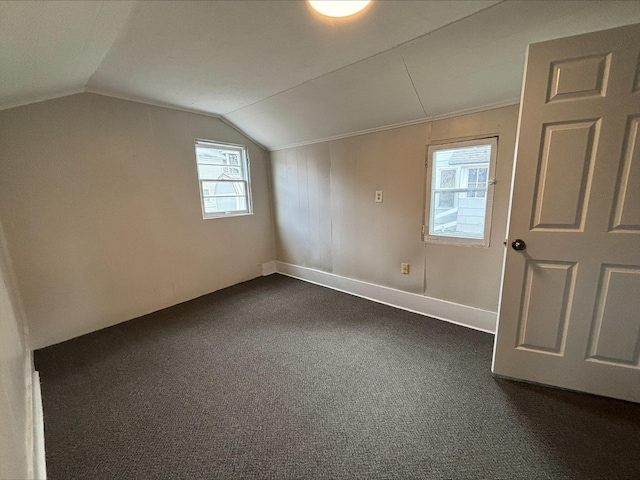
326 239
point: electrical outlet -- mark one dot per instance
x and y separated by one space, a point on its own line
378 196
404 268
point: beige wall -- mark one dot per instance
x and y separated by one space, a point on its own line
326 218
100 202
15 361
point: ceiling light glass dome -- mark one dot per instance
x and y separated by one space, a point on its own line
338 8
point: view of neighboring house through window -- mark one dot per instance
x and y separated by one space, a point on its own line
459 192
223 172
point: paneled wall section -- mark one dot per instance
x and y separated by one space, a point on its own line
326 217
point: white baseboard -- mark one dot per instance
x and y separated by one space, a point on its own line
464 315
35 455
39 463
268 268
28 415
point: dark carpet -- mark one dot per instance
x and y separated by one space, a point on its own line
277 378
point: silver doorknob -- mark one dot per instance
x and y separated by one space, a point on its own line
518 244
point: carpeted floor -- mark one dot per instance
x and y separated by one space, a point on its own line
277 378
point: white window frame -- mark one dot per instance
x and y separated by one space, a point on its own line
245 174
460 240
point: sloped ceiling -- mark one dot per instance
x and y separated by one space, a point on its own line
51 49
277 70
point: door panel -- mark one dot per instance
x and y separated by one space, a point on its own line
615 334
579 77
564 174
569 311
626 216
548 289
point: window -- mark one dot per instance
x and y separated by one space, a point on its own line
223 173
460 192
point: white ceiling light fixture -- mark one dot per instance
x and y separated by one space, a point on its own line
338 8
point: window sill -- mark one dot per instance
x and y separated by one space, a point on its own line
222 215
457 241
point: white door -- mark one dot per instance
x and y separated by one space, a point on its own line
569 310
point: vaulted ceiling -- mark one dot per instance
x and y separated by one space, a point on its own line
280 72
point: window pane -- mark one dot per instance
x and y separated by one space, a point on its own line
211 155
217 156
472 174
445 199
210 205
464 217
214 189
224 204
447 179
214 172
232 172
234 158
210 172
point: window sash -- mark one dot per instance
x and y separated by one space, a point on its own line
435 225
244 184
225 195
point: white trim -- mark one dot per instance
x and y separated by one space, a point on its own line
463 315
39 463
145 101
434 118
41 98
509 211
268 268
29 414
34 425
224 119
134 99
169 106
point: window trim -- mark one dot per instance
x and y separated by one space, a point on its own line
452 239
245 166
